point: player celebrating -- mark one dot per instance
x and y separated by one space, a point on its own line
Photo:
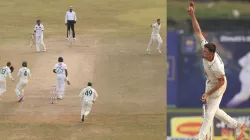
215 85
24 74
89 96
61 76
155 36
5 71
38 30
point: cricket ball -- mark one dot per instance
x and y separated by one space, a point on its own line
192 4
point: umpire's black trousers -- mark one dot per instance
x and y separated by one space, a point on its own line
70 24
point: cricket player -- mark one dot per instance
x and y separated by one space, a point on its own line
5 71
244 76
38 31
88 96
155 36
24 74
70 21
215 85
61 77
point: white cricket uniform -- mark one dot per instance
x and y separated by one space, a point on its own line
155 35
244 77
24 74
88 95
39 37
5 71
214 70
60 78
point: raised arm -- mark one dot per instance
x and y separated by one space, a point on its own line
195 24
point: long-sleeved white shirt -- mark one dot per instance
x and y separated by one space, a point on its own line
24 73
89 94
70 16
39 29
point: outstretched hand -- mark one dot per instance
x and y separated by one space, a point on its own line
191 10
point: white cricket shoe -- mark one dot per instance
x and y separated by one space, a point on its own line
148 51
67 38
239 130
60 97
74 38
159 51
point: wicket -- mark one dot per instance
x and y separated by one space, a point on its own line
204 108
53 95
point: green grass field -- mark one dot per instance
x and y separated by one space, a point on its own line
177 8
110 51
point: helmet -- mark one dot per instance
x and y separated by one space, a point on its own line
24 64
60 59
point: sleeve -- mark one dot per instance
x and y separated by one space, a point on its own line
29 74
65 66
35 28
9 74
75 17
66 17
96 95
55 66
153 25
18 74
203 42
243 60
42 28
81 93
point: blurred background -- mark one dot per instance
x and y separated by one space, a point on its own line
227 24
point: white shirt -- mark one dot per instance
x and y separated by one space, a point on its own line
5 71
244 62
88 94
214 69
39 29
24 73
70 16
156 29
60 68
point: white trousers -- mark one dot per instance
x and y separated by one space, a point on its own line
60 85
39 41
213 110
155 38
2 87
20 88
86 107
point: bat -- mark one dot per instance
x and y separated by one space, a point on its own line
32 41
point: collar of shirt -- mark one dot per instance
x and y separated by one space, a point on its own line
211 63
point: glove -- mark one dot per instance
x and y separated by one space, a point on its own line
11 69
67 80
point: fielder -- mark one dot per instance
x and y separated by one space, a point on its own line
5 71
244 76
155 36
24 74
61 77
38 31
215 85
88 96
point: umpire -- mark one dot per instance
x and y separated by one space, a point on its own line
70 20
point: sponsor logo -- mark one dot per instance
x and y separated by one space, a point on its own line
185 126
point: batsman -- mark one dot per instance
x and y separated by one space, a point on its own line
61 77
216 84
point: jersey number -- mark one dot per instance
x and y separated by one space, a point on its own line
59 70
25 73
3 71
88 93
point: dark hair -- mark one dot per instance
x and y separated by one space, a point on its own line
38 20
158 19
8 64
211 47
89 84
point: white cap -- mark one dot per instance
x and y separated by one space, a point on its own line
70 7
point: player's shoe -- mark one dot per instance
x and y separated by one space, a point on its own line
20 100
67 38
74 38
148 51
159 51
82 120
239 130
